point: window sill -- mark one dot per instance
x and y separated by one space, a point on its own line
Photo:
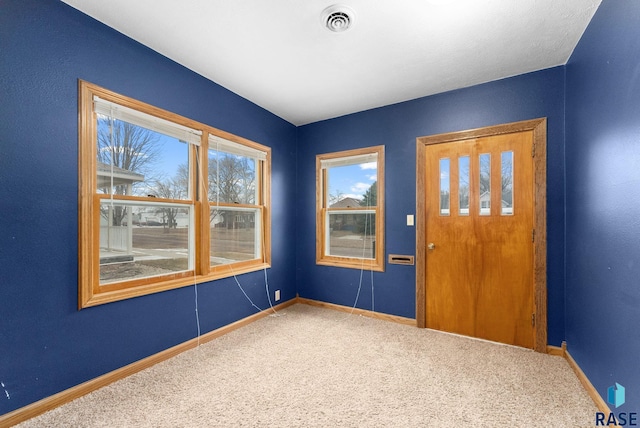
361 264
220 272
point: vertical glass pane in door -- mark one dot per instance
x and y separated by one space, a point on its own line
506 170
485 184
463 185
444 186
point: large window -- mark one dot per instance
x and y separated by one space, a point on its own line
350 209
164 201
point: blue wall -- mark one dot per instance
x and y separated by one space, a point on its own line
603 200
47 344
529 96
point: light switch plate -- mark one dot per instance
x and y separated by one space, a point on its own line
409 219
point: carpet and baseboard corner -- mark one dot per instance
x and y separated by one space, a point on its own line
66 396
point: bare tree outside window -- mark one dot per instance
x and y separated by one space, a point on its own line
232 179
131 149
336 197
172 188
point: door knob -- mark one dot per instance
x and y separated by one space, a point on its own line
431 246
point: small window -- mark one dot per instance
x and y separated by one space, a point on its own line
143 191
350 209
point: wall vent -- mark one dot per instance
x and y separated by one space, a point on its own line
398 259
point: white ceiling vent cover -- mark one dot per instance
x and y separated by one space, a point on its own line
337 18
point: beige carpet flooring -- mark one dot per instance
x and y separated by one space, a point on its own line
314 367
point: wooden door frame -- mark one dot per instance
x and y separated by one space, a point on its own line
539 153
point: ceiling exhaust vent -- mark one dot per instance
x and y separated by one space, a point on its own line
337 18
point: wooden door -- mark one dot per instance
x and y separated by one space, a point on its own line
479 202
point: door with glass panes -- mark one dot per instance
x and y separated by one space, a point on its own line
480 252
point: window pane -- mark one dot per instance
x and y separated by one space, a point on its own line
444 186
140 241
352 234
463 185
485 184
133 160
235 236
350 208
353 186
507 183
232 178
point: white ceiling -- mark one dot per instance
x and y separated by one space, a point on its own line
278 54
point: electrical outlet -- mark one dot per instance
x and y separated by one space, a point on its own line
277 295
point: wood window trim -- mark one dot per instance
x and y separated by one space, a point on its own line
90 293
376 264
539 154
